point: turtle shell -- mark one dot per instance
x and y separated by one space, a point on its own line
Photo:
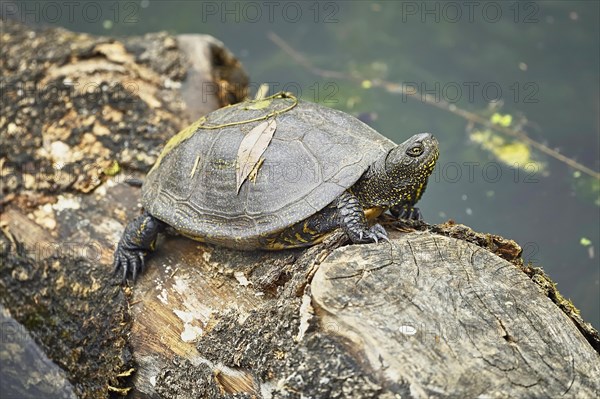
314 155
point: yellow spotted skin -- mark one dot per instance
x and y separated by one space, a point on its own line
138 235
299 235
387 186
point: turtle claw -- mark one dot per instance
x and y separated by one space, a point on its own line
384 236
137 240
374 234
125 267
129 261
134 273
377 232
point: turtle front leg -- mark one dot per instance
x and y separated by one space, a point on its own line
407 212
138 238
351 218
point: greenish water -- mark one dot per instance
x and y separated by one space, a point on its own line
540 59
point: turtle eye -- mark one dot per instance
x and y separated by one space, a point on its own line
415 151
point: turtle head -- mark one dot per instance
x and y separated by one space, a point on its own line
415 158
409 165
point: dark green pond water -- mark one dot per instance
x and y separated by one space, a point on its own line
535 61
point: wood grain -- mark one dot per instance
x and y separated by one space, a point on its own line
452 320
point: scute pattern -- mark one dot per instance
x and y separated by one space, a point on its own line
316 153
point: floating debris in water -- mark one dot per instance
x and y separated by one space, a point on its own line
515 154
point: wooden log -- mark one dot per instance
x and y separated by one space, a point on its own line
440 317
424 316
441 311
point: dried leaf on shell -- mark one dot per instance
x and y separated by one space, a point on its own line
251 148
254 172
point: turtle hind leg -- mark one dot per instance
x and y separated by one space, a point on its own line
138 238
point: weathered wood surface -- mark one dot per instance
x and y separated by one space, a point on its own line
425 316
441 317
